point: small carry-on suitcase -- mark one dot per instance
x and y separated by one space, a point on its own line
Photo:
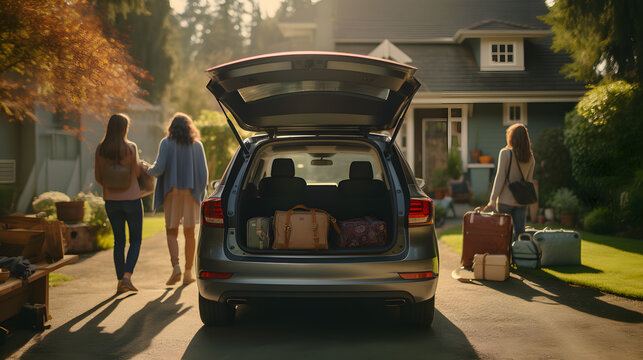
302 230
259 232
485 233
491 267
558 247
525 252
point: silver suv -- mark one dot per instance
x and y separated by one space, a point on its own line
317 116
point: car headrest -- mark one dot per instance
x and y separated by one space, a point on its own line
361 170
283 168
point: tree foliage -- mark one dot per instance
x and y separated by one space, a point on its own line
146 36
553 168
603 138
55 52
218 141
603 38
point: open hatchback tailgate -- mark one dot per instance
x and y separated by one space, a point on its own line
313 92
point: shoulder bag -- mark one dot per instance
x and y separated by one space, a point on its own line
145 182
523 191
116 176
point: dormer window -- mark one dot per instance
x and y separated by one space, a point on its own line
502 54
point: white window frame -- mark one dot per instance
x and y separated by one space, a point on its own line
506 114
499 53
486 63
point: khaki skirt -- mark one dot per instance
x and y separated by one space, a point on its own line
180 205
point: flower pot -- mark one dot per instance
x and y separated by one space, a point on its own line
485 159
475 154
70 211
567 220
549 214
439 193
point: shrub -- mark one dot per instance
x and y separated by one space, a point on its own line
454 163
553 168
603 136
46 201
600 221
439 178
95 213
440 214
563 201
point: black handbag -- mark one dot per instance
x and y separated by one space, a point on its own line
523 191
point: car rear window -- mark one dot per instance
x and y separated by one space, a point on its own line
316 164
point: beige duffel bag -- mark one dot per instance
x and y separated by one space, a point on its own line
302 230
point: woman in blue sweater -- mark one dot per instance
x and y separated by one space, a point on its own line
182 175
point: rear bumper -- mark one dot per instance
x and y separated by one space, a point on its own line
340 280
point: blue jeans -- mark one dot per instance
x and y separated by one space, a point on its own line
518 216
119 212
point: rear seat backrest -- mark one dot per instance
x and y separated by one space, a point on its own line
282 189
361 182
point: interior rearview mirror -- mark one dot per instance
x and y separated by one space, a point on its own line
321 162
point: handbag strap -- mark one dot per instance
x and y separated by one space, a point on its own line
509 168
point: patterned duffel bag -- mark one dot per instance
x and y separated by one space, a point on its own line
363 232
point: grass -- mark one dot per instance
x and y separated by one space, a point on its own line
152 225
610 264
57 279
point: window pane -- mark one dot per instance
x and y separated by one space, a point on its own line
517 112
511 113
502 58
494 58
494 48
510 48
510 58
502 48
456 113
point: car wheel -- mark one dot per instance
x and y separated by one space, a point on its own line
419 314
214 313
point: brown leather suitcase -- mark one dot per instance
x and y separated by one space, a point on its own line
302 230
484 233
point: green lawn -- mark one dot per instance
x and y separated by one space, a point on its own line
152 225
56 279
610 264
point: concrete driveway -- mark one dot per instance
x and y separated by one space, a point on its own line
522 318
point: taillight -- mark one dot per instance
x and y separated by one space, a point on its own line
214 275
421 211
212 212
417 275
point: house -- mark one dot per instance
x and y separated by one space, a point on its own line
483 65
42 156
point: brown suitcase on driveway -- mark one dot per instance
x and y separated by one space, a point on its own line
484 233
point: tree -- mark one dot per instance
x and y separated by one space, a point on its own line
54 52
146 35
265 34
603 38
218 141
289 7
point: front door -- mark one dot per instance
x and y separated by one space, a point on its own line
434 149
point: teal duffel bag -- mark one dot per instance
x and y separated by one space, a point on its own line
558 247
525 252
259 233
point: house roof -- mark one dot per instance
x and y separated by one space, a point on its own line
453 68
415 20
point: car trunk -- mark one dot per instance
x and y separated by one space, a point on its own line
325 167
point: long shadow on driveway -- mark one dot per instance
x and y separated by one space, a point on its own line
533 287
313 330
132 338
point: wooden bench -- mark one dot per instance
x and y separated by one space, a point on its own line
14 293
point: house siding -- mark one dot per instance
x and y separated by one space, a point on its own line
487 119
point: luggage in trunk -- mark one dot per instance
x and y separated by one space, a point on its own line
363 232
524 252
302 230
491 267
259 231
558 247
485 233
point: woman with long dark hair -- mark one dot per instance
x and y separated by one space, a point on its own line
116 170
182 175
515 161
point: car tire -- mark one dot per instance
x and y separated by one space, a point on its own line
419 314
214 313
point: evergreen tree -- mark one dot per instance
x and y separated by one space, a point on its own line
603 38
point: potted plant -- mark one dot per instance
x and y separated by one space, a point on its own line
439 183
566 205
475 153
454 163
